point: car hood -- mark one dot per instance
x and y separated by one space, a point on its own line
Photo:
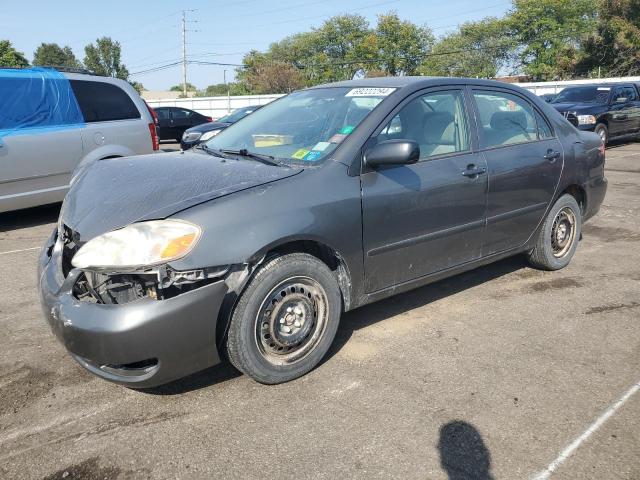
209 126
113 193
588 108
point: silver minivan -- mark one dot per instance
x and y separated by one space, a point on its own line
37 164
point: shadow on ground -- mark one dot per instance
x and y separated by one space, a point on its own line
30 217
390 307
463 454
361 318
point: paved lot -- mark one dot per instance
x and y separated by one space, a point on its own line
491 374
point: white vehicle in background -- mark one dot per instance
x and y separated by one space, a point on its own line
38 157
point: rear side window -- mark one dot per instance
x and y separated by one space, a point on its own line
505 119
103 102
544 130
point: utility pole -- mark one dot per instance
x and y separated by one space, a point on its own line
184 54
184 49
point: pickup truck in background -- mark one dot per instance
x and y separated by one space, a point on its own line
610 110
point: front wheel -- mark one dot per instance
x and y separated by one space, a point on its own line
559 236
602 130
285 320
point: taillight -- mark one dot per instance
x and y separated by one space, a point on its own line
154 137
602 149
209 119
155 141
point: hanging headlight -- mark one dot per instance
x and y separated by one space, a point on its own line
139 245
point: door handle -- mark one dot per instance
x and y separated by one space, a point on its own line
552 155
472 171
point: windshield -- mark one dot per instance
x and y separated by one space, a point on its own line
583 95
236 115
304 126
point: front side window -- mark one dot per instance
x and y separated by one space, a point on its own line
436 121
305 126
505 119
103 102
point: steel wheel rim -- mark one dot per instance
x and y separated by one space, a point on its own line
291 320
563 232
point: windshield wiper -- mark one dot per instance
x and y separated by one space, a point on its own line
211 151
243 152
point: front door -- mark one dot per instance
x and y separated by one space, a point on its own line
423 218
525 161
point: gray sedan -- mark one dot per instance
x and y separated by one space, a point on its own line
251 246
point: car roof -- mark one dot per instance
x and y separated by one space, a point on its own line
412 82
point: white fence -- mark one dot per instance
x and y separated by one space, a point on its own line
215 107
540 88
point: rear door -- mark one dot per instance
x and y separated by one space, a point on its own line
423 218
525 160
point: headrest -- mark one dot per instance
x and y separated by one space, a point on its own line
438 128
509 121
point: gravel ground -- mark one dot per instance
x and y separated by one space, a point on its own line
490 374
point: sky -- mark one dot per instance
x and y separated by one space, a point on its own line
217 30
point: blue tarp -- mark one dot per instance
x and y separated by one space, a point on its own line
35 100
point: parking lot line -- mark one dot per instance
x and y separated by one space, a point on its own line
573 446
18 251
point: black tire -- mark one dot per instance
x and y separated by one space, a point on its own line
559 236
602 130
297 292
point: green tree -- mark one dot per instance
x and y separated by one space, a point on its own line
401 45
613 49
103 58
10 57
53 54
178 88
478 49
549 34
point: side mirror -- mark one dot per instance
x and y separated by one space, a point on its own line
393 152
621 100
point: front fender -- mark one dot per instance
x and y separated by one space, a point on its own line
322 204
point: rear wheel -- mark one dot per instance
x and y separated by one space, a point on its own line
602 130
559 236
285 320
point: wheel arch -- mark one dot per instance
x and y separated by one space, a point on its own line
577 192
314 247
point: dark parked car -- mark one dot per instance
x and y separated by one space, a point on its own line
253 245
610 110
173 121
196 135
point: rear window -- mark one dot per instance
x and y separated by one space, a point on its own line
103 102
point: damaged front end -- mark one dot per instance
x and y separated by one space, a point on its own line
140 327
158 284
